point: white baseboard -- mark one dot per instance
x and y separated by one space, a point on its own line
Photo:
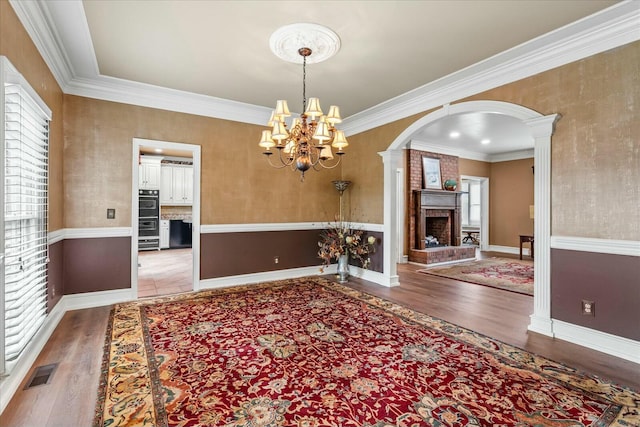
243 279
509 250
10 384
96 299
621 347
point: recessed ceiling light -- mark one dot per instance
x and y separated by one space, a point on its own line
158 150
454 134
485 141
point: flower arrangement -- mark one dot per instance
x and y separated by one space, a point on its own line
340 238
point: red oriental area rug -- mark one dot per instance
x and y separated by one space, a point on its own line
309 352
502 273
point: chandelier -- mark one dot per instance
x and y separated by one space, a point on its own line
308 140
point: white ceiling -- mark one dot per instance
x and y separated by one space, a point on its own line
389 49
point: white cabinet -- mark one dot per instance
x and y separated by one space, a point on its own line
149 173
164 233
177 185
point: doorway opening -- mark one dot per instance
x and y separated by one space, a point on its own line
165 217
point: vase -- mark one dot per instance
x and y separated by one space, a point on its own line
343 268
450 185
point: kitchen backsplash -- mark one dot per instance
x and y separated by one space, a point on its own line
175 212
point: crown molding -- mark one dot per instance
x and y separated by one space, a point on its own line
471 155
610 28
38 23
146 95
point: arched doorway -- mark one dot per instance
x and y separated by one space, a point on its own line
541 128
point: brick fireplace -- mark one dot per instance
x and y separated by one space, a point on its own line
435 213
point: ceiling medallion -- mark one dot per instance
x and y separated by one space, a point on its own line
323 42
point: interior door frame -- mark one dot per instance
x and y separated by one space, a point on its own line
484 209
195 209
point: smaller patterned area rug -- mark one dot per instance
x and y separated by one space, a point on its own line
502 273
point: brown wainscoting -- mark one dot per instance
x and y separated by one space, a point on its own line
611 281
230 254
96 264
55 274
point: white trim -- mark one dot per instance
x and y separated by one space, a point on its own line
10 74
96 299
95 232
40 28
484 209
596 340
509 250
244 228
53 26
55 236
283 226
195 151
601 246
10 384
243 279
146 95
369 275
402 258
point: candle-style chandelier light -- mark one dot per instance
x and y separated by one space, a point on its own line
308 140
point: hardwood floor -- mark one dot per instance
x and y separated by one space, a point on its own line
78 340
168 271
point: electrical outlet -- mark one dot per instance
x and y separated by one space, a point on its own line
276 259
588 308
111 213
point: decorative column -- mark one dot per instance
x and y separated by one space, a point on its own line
541 129
392 160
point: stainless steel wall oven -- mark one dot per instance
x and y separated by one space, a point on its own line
148 219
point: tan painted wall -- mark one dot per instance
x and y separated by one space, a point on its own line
238 186
510 195
363 166
16 45
595 149
474 168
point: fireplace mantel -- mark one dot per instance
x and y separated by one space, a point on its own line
427 200
438 199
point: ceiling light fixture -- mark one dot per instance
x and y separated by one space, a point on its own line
454 134
306 143
485 141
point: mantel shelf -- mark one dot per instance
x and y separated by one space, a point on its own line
433 190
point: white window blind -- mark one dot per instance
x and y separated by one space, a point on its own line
25 151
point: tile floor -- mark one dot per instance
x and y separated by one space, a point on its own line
168 271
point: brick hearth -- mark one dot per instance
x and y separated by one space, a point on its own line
442 254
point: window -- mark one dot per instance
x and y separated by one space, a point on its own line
471 202
24 148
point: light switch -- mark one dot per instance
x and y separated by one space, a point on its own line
111 213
